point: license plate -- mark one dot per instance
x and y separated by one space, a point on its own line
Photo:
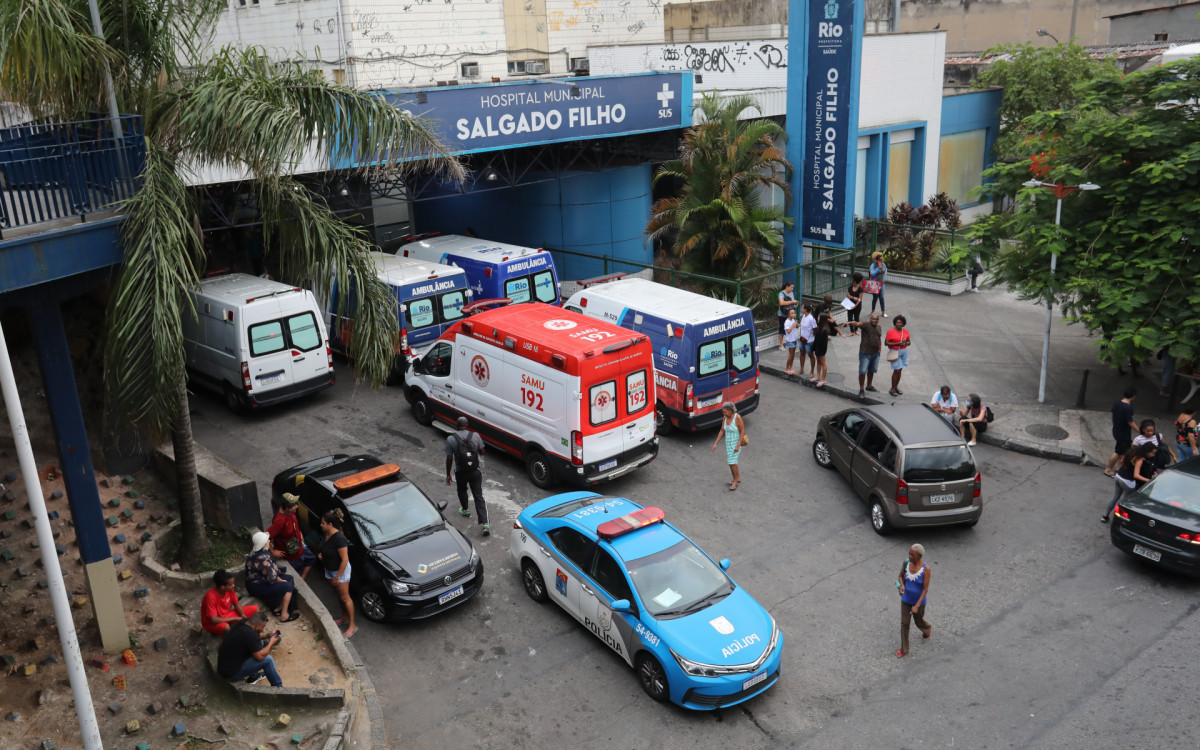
936 499
452 594
709 401
608 465
760 677
1149 554
270 380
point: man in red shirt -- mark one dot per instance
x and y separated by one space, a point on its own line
220 607
287 543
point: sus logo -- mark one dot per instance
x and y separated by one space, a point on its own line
479 371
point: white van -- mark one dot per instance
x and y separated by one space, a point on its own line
569 396
256 342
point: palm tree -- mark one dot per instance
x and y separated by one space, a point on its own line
223 107
719 222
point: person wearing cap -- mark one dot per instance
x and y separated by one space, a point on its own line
264 580
464 452
287 542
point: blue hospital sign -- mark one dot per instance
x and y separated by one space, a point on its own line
522 113
830 131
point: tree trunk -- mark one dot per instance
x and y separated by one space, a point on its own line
193 540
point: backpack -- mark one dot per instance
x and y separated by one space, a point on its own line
466 458
990 416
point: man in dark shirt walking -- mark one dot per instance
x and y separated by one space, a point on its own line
464 453
868 352
1122 418
243 652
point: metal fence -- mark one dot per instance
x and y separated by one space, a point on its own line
928 252
825 271
58 170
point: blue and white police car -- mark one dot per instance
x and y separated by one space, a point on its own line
693 636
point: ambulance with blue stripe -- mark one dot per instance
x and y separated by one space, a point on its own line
495 270
430 297
705 349
637 583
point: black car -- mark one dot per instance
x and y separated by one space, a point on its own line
1161 521
406 561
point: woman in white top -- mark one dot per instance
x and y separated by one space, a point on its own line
791 337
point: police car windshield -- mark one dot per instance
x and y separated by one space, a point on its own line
678 580
396 514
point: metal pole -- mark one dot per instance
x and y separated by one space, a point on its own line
84 711
113 113
1049 310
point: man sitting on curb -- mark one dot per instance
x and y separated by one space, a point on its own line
220 608
244 653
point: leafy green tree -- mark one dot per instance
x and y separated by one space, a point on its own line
720 221
1038 79
223 107
1128 253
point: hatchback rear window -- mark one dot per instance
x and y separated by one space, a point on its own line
1175 488
948 463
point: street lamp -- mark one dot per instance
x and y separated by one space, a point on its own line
1043 32
1060 191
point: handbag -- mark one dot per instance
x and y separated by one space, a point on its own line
872 286
893 355
291 545
744 440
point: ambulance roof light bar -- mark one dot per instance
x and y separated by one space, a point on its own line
635 520
354 481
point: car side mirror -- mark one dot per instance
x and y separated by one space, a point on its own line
621 605
725 563
441 504
418 366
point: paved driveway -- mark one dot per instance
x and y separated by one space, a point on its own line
1044 634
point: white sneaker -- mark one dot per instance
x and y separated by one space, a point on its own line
971 443
976 290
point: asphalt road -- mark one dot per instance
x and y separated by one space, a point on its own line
1045 635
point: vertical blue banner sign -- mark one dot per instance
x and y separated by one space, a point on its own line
823 125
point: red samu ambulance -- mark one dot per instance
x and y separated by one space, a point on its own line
571 396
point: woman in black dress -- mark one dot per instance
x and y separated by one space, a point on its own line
825 328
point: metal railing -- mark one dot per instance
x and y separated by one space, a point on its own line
824 273
915 250
59 170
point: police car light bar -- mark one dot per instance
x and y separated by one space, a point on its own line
626 524
366 477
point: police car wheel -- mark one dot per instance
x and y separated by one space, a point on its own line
653 678
541 473
822 454
879 519
662 423
371 604
535 585
422 409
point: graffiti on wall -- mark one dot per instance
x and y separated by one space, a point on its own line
723 63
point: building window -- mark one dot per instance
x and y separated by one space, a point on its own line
960 164
1161 36
899 172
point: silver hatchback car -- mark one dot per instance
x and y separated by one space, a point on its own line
906 461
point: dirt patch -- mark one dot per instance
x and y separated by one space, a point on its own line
167 681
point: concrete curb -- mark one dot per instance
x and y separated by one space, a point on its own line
362 690
1015 445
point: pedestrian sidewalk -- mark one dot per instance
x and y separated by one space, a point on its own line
991 344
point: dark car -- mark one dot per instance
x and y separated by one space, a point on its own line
1161 521
906 462
406 561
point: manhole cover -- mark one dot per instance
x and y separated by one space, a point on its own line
1047 431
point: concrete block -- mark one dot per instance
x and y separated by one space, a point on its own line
44 697
9 660
297 739
114 502
34 544
7 555
10 477
133 727
49 744
161 644
127 513
112 521
37 644
60 549
127 479
143 746
282 721
10 515
43 583
51 659
132 494
140 504
229 497
146 536
117 559
79 602
125 575
29 670
119 539
12 716
56 495
141 592
157 707
171 678
115 708
179 730
53 515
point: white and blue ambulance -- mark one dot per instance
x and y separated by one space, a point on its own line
495 270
